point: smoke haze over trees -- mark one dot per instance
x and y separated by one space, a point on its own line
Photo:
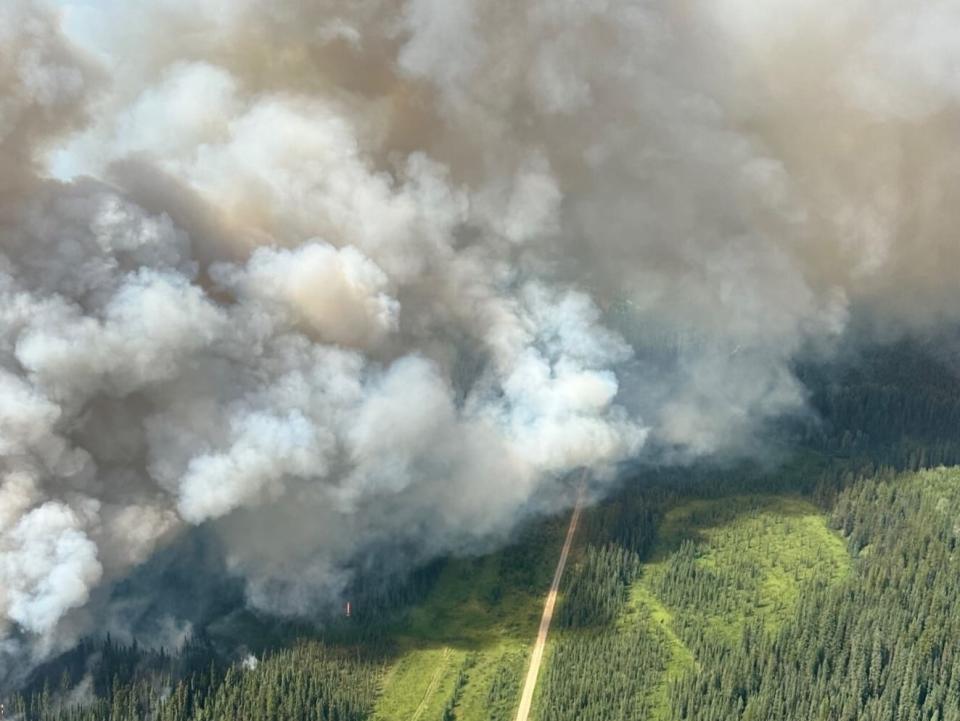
341 280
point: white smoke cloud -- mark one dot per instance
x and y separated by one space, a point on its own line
337 294
264 450
343 277
48 566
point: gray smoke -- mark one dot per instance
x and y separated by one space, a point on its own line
333 276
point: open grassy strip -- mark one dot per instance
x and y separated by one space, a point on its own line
462 652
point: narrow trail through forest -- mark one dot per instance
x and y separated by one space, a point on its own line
432 688
536 658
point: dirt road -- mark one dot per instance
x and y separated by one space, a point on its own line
526 698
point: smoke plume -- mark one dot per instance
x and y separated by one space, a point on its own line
335 276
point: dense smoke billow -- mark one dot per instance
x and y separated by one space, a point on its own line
332 276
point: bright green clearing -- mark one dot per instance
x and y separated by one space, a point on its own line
720 565
464 650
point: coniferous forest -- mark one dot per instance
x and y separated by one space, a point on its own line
479 360
823 587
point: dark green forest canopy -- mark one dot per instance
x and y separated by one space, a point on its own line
824 588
